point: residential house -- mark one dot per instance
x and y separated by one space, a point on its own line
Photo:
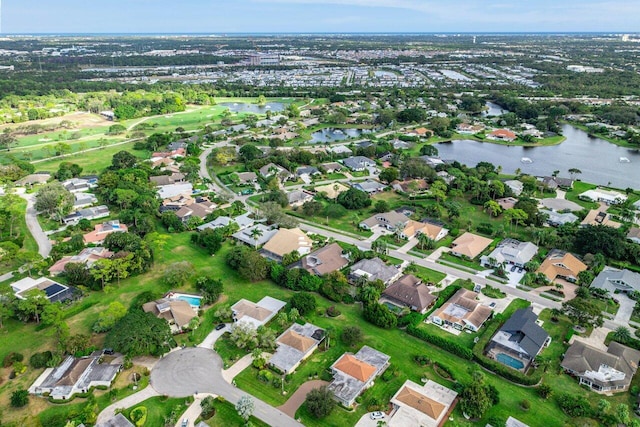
237 128
446 177
256 314
178 313
340 150
614 280
161 180
34 178
502 135
561 265
469 129
246 178
358 163
175 203
101 231
285 241
412 187
518 341
75 375
243 221
180 144
307 170
597 217
77 185
389 220
89 214
354 373
386 156
332 191
430 228
634 235
513 422
409 291
172 190
554 182
421 132
200 209
507 203
636 205
255 236
401 145
556 219
432 161
373 269
469 245
331 167
601 371
173 154
325 260
515 186
298 198
272 169
82 200
462 311
87 256
369 186
54 291
295 345
118 420
511 251
609 197
426 405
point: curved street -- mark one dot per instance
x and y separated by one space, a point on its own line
31 218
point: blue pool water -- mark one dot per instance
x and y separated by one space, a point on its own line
194 301
505 359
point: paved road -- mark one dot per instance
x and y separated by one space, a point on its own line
184 372
44 245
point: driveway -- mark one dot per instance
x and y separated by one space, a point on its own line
626 308
31 218
211 339
366 421
297 399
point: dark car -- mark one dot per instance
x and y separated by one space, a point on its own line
220 326
108 351
520 270
513 268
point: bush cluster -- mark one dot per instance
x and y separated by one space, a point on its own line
445 344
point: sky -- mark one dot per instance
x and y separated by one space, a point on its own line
302 16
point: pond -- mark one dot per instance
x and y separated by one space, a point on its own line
600 161
243 107
494 110
331 135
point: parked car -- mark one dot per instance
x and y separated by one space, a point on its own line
520 270
108 351
185 422
377 415
492 305
513 268
220 326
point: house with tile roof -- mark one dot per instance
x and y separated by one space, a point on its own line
87 256
295 345
601 371
256 314
354 373
73 376
409 291
634 234
101 231
426 405
285 241
469 245
325 260
520 338
462 311
502 135
176 312
561 265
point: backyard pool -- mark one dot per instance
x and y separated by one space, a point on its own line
505 359
193 300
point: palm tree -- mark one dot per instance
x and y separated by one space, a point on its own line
622 334
255 233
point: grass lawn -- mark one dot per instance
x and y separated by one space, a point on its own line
463 262
228 351
20 229
161 408
227 416
426 274
580 187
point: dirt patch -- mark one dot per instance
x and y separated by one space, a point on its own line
80 120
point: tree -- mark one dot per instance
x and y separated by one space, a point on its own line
320 402
412 115
312 208
351 335
493 208
123 160
622 334
19 398
109 317
380 315
255 234
304 302
7 140
172 222
428 150
177 273
245 407
209 239
210 288
139 333
573 172
545 390
515 216
381 206
354 199
475 399
33 304
583 312
54 200
102 270
389 175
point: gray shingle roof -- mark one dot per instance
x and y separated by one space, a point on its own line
525 331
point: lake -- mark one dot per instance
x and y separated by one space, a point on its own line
331 135
599 160
243 107
494 110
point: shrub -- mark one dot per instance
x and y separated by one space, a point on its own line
320 402
333 311
421 360
40 360
138 415
19 398
304 302
11 358
574 406
445 344
351 335
525 404
412 318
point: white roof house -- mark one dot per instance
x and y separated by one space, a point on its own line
173 190
606 196
511 251
256 314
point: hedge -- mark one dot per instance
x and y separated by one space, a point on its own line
445 344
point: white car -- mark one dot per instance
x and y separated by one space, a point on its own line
185 422
376 415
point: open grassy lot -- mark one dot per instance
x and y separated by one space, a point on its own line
161 408
227 416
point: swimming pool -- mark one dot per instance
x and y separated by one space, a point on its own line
193 300
505 359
